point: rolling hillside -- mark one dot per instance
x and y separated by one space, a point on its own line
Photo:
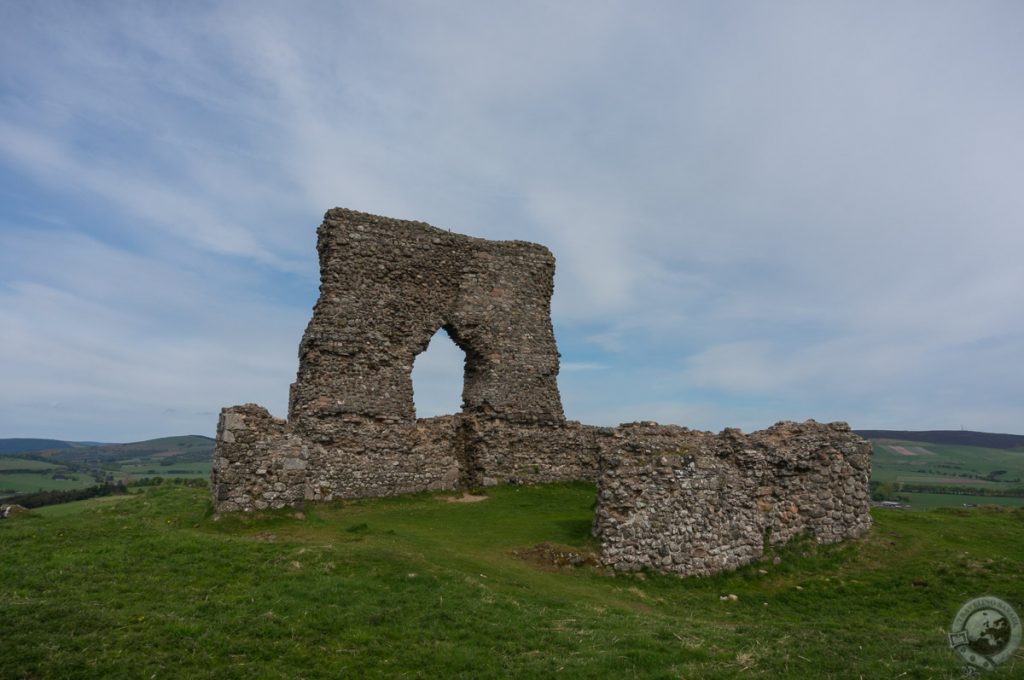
988 440
947 468
188 448
70 465
10 447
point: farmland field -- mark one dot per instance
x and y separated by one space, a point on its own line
942 475
10 463
972 464
15 483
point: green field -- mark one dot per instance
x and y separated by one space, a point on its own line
15 483
186 457
152 585
942 473
9 463
186 448
928 501
134 469
969 465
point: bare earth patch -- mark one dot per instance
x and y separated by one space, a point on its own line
553 556
914 451
466 498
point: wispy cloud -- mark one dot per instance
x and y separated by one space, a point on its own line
802 210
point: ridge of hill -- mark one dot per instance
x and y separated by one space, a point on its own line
185 448
988 440
28 445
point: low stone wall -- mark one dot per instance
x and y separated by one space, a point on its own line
369 457
696 503
257 464
261 462
499 452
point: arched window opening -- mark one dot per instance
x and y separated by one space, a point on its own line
437 377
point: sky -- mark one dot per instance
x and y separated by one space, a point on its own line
759 211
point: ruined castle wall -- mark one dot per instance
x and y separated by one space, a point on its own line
696 503
386 287
368 457
669 498
499 452
261 464
257 463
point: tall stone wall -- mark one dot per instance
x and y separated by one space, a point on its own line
696 503
386 288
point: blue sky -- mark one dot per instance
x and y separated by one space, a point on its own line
760 211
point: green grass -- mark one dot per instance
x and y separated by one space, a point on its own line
76 507
15 483
132 469
942 461
152 585
944 466
169 458
184 448
928 501
8 463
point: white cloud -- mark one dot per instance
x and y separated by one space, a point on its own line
774 209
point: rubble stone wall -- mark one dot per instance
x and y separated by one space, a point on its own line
669 498
386 287
696 503
257 463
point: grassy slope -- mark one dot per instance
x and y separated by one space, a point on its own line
928 501
13 484
417 587
11 463
21 445
950 466
187 447
991 440
168 457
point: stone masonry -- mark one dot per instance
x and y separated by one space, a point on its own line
692 502
387 286
669 498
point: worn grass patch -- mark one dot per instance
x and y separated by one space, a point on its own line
154 585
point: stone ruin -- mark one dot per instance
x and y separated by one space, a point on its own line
668 497
696 503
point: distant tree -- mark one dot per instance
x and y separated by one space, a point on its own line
882 492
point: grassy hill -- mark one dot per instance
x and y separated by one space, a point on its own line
188 448
20 445
75 466
929 474
418 587
988 440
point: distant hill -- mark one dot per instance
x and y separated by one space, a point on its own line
988 440
184 449
12 446
188 448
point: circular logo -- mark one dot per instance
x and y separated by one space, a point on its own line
985 632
